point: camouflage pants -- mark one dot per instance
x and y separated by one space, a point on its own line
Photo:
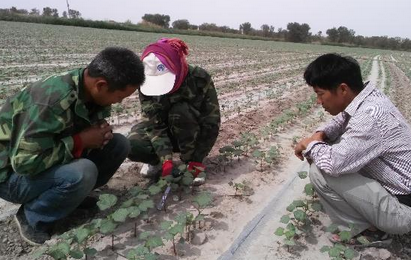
183 129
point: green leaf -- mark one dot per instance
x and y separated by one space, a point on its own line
165 225
309 189
324 249
127 203
300 215
203 199
316 206
120 215
182 218
145 205
334 252
90 251
81 234
154 242
187 181
154 189
96 223
135 190
299 203
133 212
345 236
349 253
341 247
150 256
279 231
333 228
76 254
291 207
161 183
291 227
202 175
168 237
226 149
289 234
137 253
144 235
168 178
176 229
289 242
106 201
142 196
363 240
39 252
199 217
237 143
302 174
258 154
60 250
285 219
238 152
107 226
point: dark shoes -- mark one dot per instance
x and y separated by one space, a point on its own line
366 238
88 203
29 234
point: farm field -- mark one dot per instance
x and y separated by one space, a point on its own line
266 107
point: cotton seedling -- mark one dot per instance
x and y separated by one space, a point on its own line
241 188
273 155
299 223
172 230
259 156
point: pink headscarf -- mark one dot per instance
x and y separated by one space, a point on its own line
172 53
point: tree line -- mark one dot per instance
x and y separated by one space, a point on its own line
47 12
295 32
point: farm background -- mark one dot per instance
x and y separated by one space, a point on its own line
262 94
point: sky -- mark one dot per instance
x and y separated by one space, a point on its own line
390 18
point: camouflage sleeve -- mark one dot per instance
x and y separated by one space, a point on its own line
209 123
35 147
156 129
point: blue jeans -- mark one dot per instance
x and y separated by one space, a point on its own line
56 192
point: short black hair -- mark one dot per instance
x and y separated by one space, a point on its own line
330 70
119 66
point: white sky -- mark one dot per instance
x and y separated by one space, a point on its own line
366 17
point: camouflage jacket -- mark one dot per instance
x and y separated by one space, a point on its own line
198 91
37 124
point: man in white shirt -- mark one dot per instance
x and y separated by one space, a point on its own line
361 160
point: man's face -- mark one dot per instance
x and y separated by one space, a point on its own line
333 102
104 97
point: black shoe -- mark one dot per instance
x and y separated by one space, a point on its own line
29 234
88 203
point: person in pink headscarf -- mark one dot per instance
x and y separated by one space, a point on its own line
180 112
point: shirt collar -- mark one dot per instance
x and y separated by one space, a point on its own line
357 101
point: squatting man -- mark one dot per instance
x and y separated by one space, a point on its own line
361 160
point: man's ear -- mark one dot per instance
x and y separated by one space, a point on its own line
344 88
101 84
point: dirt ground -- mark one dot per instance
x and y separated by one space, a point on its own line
229 214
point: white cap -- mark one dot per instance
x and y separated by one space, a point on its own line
159 80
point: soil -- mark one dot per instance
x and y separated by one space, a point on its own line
229 214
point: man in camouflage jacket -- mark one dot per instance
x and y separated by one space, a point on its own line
55 146
180 113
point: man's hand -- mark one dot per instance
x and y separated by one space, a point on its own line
302 145
96 136
195 168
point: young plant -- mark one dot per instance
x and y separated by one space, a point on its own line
241 188
273 155
301 211
260 156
